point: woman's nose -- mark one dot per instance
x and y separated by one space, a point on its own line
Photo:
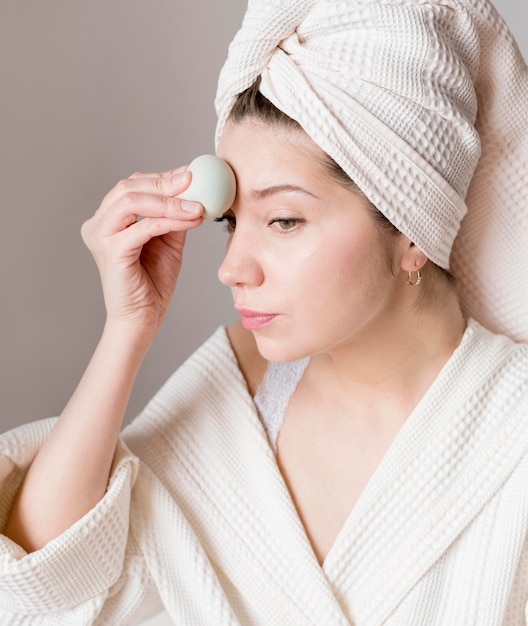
240 265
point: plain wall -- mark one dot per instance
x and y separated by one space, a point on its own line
91 92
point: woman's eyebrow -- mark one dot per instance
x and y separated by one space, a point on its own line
260 194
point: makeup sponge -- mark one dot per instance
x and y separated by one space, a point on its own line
213 185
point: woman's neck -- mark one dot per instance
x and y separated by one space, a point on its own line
389 367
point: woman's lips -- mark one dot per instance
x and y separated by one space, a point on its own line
254 320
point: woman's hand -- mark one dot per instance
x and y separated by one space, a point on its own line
139 259
139 262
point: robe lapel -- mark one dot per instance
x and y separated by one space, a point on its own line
240 490
269 509
446 463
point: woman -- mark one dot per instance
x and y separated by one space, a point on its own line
356 450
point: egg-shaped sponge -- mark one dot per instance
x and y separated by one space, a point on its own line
213 185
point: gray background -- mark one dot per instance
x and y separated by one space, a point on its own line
91 92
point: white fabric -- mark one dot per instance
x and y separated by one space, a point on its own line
197 515
395 92
274 392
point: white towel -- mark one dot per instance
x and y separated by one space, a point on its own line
406 95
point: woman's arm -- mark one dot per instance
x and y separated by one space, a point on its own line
139 262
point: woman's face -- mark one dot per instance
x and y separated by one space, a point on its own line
306 263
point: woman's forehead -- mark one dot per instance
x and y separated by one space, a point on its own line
265 156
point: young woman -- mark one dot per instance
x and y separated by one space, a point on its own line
355 450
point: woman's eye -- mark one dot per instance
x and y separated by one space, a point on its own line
229 222
286 224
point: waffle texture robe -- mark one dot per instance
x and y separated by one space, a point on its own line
197 517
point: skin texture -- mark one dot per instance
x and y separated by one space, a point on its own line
326 276
317 259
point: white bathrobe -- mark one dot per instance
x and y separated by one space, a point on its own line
197 517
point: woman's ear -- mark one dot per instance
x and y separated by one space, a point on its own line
411 257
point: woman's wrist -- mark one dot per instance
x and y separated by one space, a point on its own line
130 337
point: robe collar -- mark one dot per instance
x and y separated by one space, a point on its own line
446 463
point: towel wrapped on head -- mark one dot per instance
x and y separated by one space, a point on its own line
424 104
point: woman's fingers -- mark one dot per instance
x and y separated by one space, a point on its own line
146 229
164 185
166 174
148 198
118 240
133 204
139 259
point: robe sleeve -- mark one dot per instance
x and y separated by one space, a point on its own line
94 572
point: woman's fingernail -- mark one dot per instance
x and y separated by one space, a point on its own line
191 207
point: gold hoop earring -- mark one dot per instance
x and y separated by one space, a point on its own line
414 283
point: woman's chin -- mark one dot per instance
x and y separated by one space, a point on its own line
279 351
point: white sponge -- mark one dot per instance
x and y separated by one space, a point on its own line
213 185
